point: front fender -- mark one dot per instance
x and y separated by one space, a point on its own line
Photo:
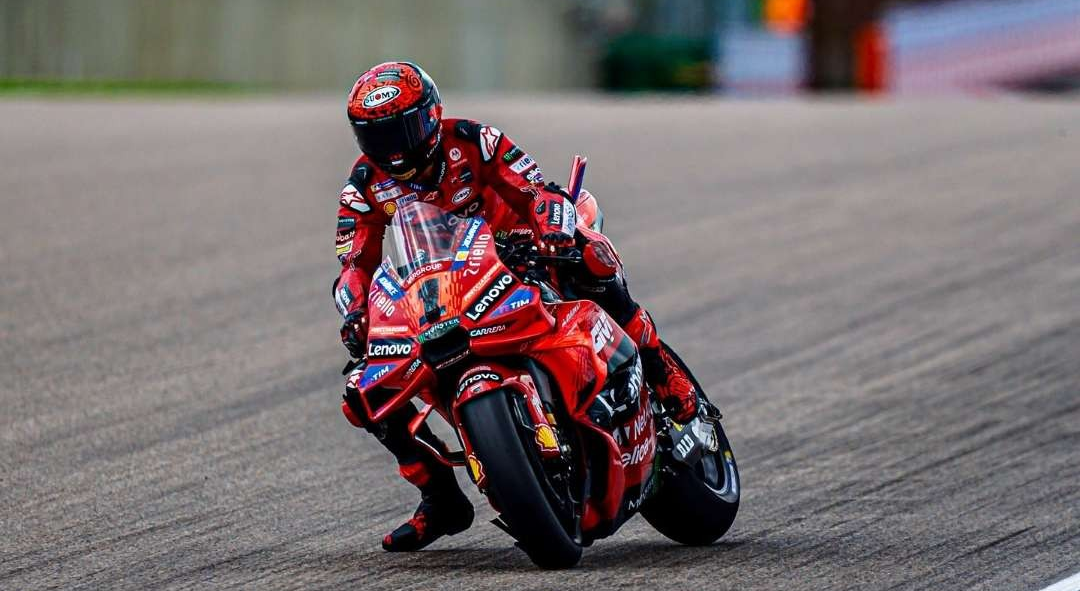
486 378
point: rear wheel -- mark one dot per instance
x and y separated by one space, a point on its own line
696 505
514 484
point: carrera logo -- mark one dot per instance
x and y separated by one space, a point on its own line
389 348
494 291
380 96
412 369
481 332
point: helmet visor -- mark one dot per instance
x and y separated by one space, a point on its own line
396 137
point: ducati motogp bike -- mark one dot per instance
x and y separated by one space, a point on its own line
556 426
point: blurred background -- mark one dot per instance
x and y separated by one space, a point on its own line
735 46
881 295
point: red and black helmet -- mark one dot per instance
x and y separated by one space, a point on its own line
395 110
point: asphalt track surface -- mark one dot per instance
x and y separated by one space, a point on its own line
884 298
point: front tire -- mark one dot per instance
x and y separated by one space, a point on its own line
512 483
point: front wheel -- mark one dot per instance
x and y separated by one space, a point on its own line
513 483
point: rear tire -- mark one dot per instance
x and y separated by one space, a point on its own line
688 510
696 505
512 483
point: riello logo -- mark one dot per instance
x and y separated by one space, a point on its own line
380 96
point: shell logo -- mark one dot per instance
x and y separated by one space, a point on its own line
476 470
545 438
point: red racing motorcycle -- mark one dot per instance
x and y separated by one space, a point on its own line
477 328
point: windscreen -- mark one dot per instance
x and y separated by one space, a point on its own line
422 233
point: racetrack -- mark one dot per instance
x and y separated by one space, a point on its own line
884 299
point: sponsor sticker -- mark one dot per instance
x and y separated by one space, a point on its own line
376 372
491 294
461 195
383 185
439 329
476 469
480 376
344 223
455 154
388 194
386 281
343 250
380 348
380 96
523 164
383 303
423 270
462 253
535 176
512 154
519 299
489 142
343 299
487 330
411 370
344 236
351 199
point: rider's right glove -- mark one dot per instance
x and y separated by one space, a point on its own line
354 333
554 219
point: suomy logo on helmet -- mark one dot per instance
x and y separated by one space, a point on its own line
380 96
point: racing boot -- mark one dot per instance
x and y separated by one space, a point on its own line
443 510
672 385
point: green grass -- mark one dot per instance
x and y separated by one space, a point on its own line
105 88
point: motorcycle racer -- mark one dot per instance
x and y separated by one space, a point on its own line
410 153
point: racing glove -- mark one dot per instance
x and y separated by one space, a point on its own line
354 333
554 219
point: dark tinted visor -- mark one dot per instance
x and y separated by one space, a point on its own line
396 136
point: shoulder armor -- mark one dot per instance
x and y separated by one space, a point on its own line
468 130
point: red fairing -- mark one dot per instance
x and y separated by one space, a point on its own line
587 342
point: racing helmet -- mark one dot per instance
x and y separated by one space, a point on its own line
394 110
